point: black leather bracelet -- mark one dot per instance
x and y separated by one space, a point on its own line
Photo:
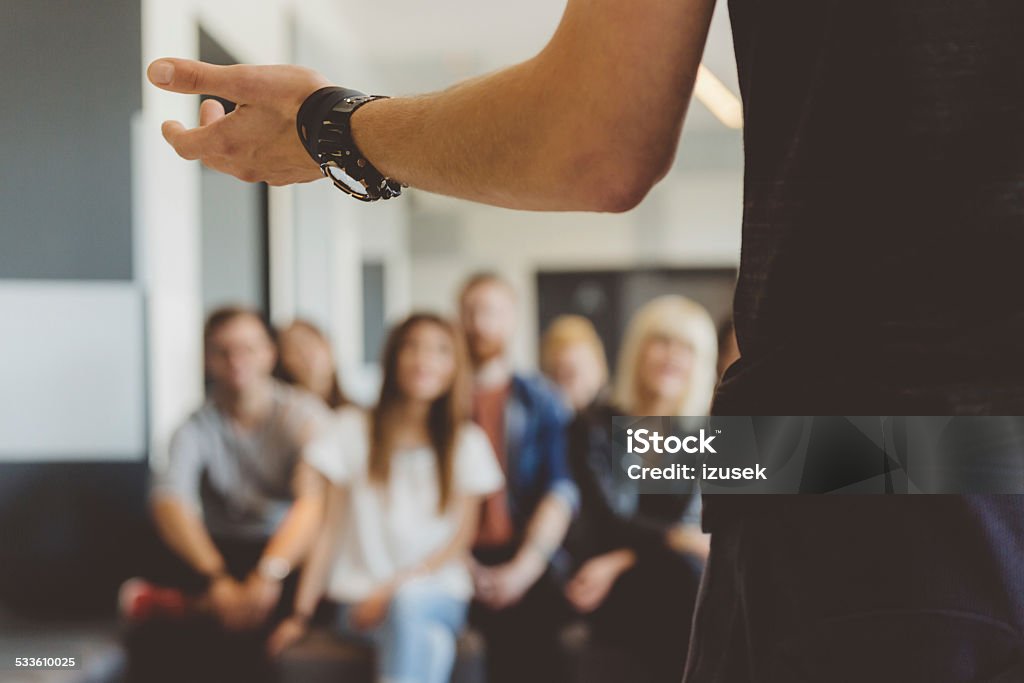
324 127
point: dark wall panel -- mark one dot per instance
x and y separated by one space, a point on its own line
71 533
610 298
70 82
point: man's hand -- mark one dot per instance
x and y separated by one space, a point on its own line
592 583
504 585
371 611
227 599
261 596
255 142
687 539
287 633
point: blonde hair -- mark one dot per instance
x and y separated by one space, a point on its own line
570 330
679 318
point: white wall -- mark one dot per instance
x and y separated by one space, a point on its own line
315 233
75 372
692 219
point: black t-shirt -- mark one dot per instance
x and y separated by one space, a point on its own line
612 515
882 267
882 270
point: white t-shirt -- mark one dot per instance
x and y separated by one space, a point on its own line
392 527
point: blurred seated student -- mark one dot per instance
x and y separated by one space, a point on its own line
638 558
518 570
728 346
572 357
237 510
306 361
407 482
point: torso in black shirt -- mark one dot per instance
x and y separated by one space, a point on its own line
882 269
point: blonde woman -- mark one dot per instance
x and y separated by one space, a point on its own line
668 361
572 357
638 558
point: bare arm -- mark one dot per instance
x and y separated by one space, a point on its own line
506 584
291 541
296 534
183 530
313 583
546 531
594 580
590 123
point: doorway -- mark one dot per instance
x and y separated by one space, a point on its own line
235 225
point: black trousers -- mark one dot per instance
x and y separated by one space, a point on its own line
524 641
197 648
887 589
641 632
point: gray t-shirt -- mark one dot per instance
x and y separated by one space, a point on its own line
240 481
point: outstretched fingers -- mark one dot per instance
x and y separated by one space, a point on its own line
189 144
257 140
237 83
210 111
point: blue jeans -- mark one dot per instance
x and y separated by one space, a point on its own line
415 642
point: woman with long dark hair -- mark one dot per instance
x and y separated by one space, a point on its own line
305 359
407 480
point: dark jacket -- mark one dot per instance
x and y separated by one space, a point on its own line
613 515
535 441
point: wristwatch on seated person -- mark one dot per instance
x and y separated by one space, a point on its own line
274 569
324 127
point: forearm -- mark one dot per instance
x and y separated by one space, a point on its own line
183 531
478 140
577 127
315 573
688 539
623 559
546 531
298 532
313 581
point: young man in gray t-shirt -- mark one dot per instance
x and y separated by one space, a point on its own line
233 500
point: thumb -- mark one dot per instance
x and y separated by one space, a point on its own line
236 83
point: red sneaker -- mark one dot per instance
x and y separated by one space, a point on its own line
138 600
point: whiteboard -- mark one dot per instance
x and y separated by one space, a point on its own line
72 371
